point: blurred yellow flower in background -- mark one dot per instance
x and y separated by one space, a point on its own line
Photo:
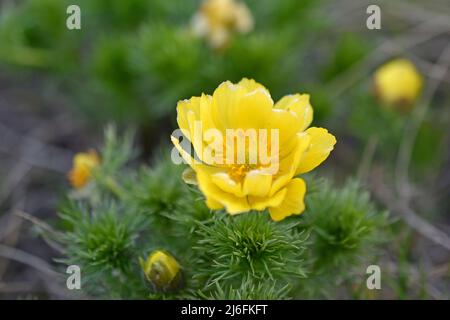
398 83
81 171
216 20
251 185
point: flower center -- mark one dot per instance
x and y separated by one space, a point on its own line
237 172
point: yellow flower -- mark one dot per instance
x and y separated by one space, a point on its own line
216 20
230 171
398 83
162 270
83 163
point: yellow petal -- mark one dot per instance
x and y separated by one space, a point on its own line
214 194
257 183
299 105
253 110
184 154
213 204
287 125
194 118
224 182
289 165
322 143
184 108
235 106
261 203
293 202
224 100
251 85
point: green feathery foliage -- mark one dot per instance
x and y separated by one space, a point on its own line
251 245
125 214
342 221
248 290
346 231
104 242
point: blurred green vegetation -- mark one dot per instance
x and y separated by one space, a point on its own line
133 60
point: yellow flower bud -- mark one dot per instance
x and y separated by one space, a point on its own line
81 172
162 270
398 83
